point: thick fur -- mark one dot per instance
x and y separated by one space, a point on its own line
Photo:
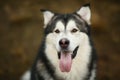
46 65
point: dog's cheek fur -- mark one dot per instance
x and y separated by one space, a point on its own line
50 39
53 39
51 51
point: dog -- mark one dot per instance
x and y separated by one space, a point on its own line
67 51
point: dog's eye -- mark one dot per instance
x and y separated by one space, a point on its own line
74 30
57 31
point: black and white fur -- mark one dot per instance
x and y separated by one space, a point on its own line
74 27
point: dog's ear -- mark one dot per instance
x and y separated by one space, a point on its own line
85 12
47 16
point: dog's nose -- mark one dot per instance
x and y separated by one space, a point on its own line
64 43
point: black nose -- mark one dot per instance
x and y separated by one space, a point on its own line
64 43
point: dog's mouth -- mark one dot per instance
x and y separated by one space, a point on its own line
66 57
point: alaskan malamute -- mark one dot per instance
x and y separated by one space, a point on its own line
67 51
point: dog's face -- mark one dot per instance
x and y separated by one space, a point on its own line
66 33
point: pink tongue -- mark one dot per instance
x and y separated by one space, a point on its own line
65 62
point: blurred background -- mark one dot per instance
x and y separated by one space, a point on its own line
21 28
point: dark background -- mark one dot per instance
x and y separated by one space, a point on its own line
21 28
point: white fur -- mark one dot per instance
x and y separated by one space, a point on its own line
26 76
80 62
47 17
85 13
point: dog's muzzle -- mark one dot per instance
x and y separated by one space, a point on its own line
64 44
65 55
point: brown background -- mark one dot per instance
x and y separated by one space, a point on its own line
21 32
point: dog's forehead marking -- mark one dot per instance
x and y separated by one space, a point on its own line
60 25
70 25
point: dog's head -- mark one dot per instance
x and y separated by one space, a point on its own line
66 33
